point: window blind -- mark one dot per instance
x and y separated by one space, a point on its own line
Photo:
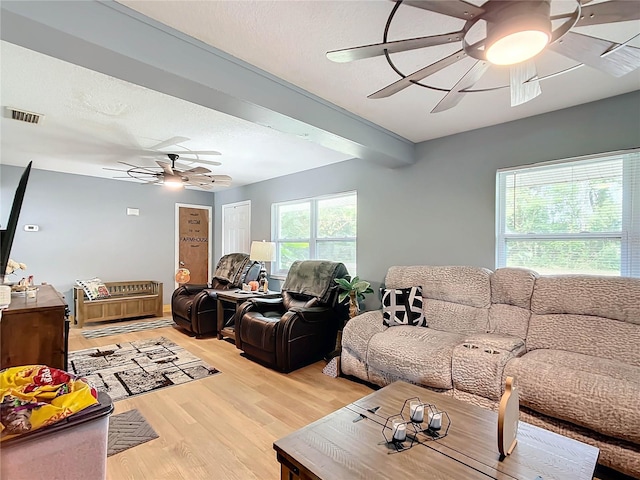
571 216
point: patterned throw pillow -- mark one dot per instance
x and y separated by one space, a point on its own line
403 306
94 289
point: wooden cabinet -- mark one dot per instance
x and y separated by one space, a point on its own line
35 331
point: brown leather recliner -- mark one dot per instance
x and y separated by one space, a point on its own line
194 307
300 327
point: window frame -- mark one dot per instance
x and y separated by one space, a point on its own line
629 234
313 220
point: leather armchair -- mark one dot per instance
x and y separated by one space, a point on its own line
194 307
300 327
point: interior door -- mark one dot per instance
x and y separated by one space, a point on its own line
193 241
236 227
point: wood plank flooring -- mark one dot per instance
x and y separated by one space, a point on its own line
222 427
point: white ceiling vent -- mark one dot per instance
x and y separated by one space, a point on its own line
23 115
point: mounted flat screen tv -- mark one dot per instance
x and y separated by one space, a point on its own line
6 235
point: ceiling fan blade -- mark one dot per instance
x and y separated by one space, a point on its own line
610 57
169 142
197 171
139 168
166 167
452 8
525 85
204 186
221 180
114 169
612 11
377 49
195 152
469 79
204 162
421 74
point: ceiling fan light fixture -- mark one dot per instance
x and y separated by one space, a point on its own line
520 32
173 181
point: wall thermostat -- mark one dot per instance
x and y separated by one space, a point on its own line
31 228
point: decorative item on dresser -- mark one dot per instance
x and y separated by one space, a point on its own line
35 331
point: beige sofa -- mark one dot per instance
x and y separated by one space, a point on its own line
571 342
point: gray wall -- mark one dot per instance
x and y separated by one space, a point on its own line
85 232
441 211
438 211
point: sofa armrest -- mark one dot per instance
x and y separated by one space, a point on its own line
478 363
311 314
497 342
358 331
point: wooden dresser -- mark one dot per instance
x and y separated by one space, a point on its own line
35 331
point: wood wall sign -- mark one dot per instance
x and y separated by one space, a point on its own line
508 416
193 243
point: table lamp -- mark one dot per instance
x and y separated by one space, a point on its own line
263 252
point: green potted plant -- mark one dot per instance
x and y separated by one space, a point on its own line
355 290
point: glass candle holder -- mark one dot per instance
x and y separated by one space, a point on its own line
416 412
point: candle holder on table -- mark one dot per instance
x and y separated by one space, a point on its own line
417 421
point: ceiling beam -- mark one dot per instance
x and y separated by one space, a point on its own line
112 39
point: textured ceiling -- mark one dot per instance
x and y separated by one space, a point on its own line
290 39
93 120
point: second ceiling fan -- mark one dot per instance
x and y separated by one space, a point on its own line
176 175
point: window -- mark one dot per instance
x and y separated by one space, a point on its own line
573 216
322 228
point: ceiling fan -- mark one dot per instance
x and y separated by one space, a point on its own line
176 176
172 175
507 32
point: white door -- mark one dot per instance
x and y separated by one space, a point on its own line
236 227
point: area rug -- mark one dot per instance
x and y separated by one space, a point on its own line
132 327
127 430
131 368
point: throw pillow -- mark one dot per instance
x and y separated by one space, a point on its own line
403 306
94 289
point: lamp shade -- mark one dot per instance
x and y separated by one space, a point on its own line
263 251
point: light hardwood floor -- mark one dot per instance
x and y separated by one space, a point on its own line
221 427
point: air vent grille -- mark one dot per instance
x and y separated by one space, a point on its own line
24 116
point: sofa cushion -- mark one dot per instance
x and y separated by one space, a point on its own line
610 297
597 393
402 306
455 317
511 290
418 355
586 334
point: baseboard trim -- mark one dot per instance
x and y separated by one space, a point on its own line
166 308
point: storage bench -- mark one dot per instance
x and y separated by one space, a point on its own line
138 298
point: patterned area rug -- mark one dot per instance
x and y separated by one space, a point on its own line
132 327
127 430
127 369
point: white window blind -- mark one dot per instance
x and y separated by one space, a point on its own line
573 216
319 228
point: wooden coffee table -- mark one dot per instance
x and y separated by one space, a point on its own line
341 447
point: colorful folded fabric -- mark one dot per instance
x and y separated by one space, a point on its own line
35 396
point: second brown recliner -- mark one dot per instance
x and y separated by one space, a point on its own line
300 327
